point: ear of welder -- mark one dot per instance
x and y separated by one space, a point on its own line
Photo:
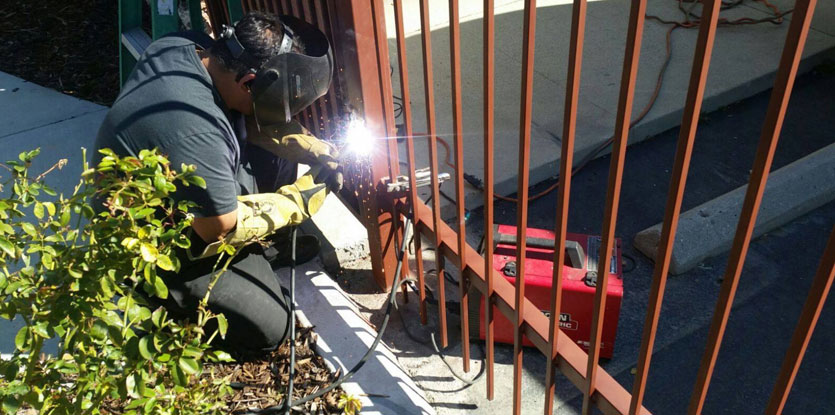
261 214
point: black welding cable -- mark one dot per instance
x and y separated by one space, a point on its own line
468 382
292 319
392 295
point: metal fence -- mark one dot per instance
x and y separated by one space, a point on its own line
358 30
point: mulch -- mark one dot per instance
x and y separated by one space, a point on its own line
67 46
265 380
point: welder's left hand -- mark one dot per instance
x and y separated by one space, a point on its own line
295 143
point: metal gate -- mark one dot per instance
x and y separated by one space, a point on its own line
357 29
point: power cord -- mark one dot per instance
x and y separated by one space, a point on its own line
288 403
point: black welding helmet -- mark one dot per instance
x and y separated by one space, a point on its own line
289 81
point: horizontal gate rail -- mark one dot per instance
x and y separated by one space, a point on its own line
609 395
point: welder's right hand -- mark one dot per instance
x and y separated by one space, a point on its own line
262 214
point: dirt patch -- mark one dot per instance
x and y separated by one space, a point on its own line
67 46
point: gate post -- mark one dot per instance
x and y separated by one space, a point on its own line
363 68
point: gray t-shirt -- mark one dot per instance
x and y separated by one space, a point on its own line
169 102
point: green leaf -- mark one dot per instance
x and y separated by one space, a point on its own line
189 365
221 356
222 325
149 405
160 288
158 317
50 208
144 212
145 347
38 210
130 386
6 228
149 252
192 352
29 229
47 260
164 262
179 377
65 217
20 338
11 404
40 329
197 181
7 247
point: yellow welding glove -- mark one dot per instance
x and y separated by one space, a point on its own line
295 143
261 214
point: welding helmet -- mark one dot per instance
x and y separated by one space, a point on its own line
289 81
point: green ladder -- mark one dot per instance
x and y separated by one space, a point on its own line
164 19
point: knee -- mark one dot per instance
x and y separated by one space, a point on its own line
263 331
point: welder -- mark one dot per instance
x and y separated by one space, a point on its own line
225 106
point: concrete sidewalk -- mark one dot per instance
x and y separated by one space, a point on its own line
744 61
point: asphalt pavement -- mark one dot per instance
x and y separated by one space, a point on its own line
773 286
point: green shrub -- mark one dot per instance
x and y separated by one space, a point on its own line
82 277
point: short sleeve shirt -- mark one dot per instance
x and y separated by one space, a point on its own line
169 103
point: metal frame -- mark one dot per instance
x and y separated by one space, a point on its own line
365 89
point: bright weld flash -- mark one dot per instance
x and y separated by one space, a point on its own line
358 139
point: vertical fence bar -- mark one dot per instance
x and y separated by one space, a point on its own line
458 130
195 13
313 111
572 93
426 38
529 37
323 19
410 146
681 165
361 61
805 327
625 100
784 81
489 42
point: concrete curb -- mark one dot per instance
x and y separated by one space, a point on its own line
343 336
708 229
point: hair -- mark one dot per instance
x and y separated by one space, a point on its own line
260 34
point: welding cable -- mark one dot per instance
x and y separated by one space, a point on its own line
293 319
776 19
285 407
438 351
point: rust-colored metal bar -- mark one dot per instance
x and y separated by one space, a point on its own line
609 395
681 165
489 133
328 101
627 95
804 329
317 110
362 60
780 94
458 144
529 37
410 145
428 83
572 93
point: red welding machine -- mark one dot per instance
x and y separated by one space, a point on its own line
578 284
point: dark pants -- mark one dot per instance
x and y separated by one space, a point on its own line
248 294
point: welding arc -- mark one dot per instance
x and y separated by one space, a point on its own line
288 403
688 23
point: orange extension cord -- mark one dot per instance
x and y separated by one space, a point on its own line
690 21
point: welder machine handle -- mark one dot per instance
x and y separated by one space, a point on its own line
574 251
